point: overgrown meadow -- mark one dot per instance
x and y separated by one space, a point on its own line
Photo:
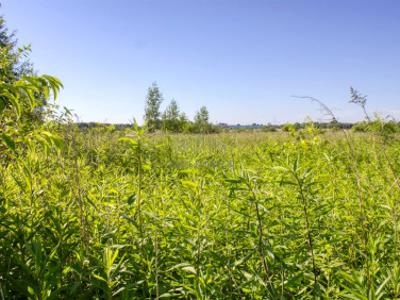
134 213
122 214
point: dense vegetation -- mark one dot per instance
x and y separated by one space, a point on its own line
101 213
123 214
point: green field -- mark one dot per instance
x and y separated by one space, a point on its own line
183 208
103 213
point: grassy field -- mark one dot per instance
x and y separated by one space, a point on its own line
106 214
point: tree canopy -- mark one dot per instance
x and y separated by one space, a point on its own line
152 108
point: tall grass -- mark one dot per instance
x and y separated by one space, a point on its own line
110 214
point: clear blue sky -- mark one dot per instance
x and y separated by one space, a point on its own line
243 59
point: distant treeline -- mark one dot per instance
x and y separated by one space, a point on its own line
173 120
287 127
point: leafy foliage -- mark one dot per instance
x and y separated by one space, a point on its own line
101 213
14 61
115 214
152 109
201 120
172 119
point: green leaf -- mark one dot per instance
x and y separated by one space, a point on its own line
131 199
99 277
129 140
8 141
189 184
189 269
31 291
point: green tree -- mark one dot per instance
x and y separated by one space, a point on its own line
152 108
24 98
201 120
15 66
14 62
171 117
184 123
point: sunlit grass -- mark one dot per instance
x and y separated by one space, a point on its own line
249 215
